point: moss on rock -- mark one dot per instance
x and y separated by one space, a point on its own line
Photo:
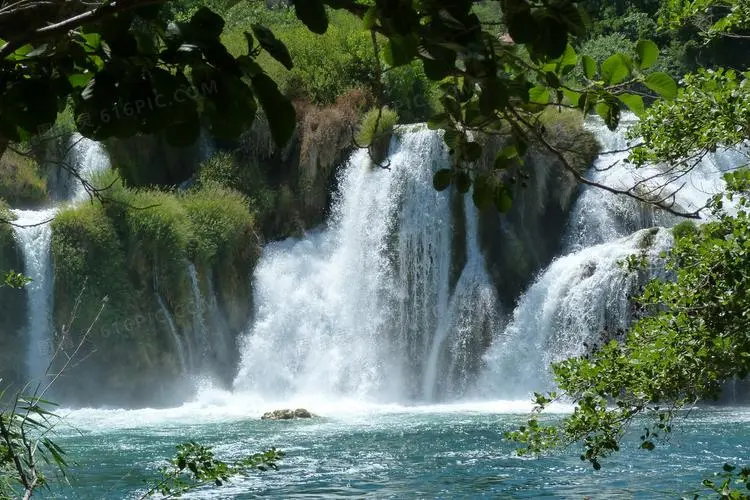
136 251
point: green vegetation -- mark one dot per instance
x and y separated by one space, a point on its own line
20 180
131 249
375 132
195 466
690 339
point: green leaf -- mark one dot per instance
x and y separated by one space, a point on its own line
282 119
610 113
472 151
522 26
207 23
662 84
442 179
633 102
439 121
503 198
647 52
539 95
572 96
313 14
400 50
482 193
273 45
588 64
615 69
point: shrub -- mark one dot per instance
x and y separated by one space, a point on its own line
221 224
375 131
412 95
20 179
684 228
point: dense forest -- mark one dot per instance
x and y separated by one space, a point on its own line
363 200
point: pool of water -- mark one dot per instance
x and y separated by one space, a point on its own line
386 451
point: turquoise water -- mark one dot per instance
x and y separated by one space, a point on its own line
356 450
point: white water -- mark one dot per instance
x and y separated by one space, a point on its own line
585 293
34 242
363 308
577 298
600 216
33 233
183 354
199 341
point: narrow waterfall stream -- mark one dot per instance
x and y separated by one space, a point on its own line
34 233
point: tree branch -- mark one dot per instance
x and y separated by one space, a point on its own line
96 14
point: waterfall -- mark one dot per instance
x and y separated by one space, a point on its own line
183 355
585 294
472 318
578 298
200 333
364 307
599 216
34 234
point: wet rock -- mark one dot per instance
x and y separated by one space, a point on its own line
287 414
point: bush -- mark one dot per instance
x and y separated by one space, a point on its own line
684 228
221 224
132 247
375 131
325 66
20 180
412 95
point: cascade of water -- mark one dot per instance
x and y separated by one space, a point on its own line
578 298
586 293
91 158
183 355
200 332
33 233
599 216
364 307
473 316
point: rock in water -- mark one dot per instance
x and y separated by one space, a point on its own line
286 414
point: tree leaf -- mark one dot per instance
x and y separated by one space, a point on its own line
539 95
647 52
207 24
615 69
662 84
273 45
633 102
463 181
503 198
313 14
400 50
588 64
439 121
282 119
